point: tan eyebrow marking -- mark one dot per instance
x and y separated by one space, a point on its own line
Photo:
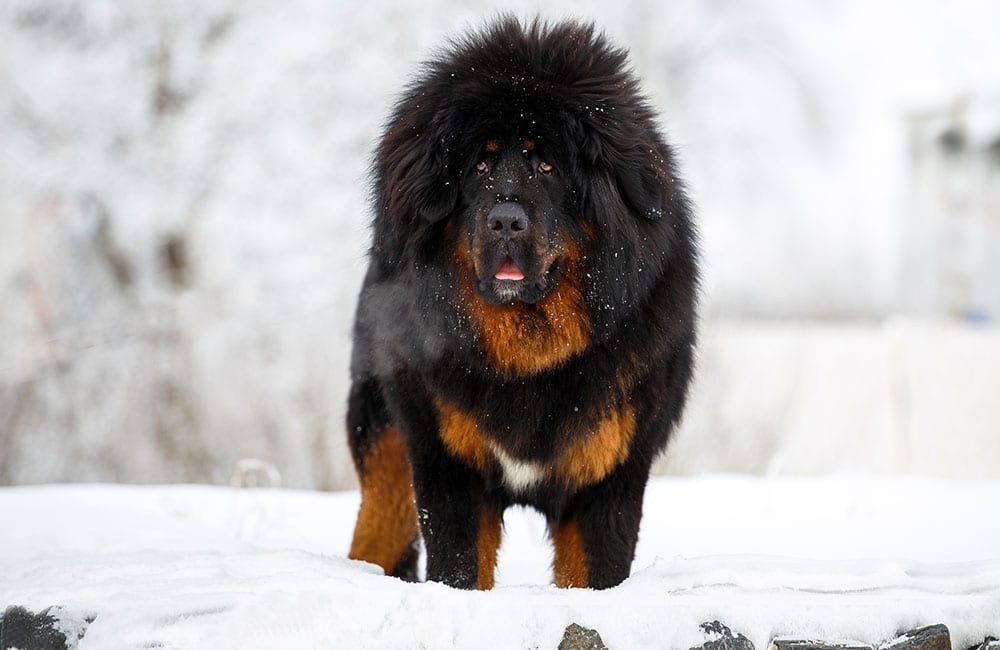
492 146
528 144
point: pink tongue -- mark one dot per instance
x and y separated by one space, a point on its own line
508 271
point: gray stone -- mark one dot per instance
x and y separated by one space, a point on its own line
577 637
932 637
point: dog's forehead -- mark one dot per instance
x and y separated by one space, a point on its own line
496 126
522 142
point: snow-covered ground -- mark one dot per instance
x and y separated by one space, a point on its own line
206 567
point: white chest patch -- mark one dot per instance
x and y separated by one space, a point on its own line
518 474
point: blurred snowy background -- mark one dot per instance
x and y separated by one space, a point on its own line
183 218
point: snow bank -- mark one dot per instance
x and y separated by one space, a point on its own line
213 567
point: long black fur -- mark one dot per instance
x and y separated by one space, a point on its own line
413 343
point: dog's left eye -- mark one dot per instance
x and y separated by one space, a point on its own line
544 168
482 168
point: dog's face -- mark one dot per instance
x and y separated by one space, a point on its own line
515 167
516 235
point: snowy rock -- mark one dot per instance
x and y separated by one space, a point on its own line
577 637
803 644
720 637
932 637
990 643
46 630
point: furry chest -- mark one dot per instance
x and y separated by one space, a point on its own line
586 456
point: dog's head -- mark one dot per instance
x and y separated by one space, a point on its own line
524 148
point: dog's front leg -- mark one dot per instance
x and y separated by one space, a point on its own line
459 524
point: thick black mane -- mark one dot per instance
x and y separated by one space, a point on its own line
569 83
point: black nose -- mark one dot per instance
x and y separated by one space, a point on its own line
507 219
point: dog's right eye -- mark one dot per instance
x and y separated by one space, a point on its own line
482 168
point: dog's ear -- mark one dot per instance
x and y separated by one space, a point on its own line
414 184
635 168
641 180
414 175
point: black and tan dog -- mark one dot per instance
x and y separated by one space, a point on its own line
525 331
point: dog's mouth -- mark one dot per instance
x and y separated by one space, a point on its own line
515 281
508 270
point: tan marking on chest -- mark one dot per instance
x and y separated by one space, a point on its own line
587 460
461 435
464 440
592 456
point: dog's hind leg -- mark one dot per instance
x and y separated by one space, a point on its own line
386 530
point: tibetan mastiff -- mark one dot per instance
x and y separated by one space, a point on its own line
525 330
